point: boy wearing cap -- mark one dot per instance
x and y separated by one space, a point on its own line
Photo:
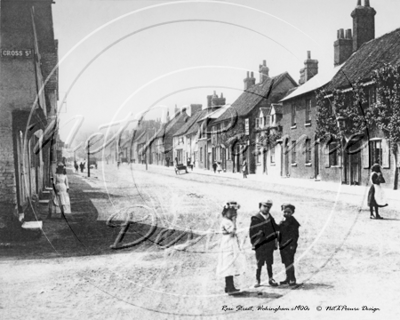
289 235
263 236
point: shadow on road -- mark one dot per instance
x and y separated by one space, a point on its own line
81 234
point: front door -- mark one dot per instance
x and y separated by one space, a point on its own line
352 164
286 153
316 160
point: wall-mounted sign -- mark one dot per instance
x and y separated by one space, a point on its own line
246 126
17 53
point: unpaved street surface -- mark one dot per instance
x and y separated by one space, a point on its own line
343 258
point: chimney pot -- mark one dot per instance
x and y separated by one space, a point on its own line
252 74
359 3
308 54
366 3
348 34
341 32
264 63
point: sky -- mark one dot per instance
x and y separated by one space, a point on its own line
120 58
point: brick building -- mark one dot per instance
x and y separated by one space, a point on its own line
28 98
185 142
238 125
356 56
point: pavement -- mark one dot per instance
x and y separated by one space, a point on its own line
323 190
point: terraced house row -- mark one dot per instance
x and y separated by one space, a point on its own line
28 105
275 123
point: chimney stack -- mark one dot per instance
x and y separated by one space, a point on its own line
310 69
343 47
363 24
263 71
216 102
249 81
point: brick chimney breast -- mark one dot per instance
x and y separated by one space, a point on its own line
249 81
343 47
310 69
263 71
363 24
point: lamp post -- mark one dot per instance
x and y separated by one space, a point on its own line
88 158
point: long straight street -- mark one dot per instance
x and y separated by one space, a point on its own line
343 258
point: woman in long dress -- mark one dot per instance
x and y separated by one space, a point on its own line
60 196
231 261
376 197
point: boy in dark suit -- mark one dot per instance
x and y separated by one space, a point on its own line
289 235
263 237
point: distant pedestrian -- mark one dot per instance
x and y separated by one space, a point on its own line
231 260
215 166
264 236
82 166
288 237
244 168
376 197
76 166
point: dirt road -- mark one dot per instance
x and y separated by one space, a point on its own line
344 258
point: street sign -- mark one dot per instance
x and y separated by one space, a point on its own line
17 53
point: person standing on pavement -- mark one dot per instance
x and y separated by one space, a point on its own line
288 237
215 166
376 197
244 168
231 261
82 166
60 200
76 166
264 234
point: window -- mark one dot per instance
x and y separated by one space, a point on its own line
257 123
272 154
375 152
333 153
265 121
308 111
201 154
272 119
293 115
308 150
293 152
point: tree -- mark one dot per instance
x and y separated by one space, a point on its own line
385 112
342 118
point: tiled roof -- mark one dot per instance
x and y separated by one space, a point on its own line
277 107
371 56
167 127
251 97
191 124
319 80
266 111
214 114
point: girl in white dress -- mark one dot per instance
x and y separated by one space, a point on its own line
61 196
230 258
